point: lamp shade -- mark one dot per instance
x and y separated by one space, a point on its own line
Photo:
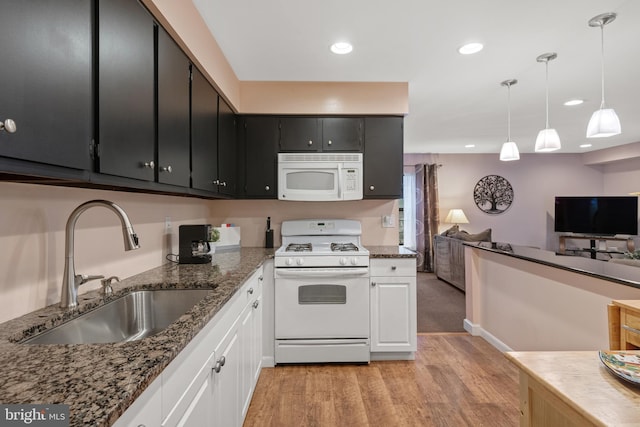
604 122
509 152
456 216
547 140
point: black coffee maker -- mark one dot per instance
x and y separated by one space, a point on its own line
194 244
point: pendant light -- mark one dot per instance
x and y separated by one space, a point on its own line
548 139
604 122
509 149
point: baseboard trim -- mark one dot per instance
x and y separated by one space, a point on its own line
478 331
268 361
393 356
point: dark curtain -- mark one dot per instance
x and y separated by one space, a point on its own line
426 214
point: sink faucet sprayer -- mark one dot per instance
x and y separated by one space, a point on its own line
70 281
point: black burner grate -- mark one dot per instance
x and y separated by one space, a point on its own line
343 247
299 247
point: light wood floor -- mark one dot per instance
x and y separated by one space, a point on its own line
456 380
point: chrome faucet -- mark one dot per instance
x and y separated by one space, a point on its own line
72 281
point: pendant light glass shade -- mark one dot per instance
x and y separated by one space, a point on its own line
509 149
548 139
604 122
509 152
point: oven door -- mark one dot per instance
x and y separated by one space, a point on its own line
320 303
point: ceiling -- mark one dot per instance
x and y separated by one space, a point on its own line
454 100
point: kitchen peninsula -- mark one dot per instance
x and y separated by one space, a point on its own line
521 298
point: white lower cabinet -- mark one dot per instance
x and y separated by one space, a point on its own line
393 306
211 381
227 387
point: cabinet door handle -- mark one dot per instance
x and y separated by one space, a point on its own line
371 187
149 165
330 142
9 125
219 364
256 303
373 283
267 188
166 169
216 182
310 143
250 291
223 183
261 278
630 329
393 268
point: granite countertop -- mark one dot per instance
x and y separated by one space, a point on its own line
615 272
100 381
390 252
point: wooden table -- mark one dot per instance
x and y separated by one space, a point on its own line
624 324
573 388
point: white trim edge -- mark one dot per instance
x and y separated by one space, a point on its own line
477 330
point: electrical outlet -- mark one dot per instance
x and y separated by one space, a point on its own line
167 224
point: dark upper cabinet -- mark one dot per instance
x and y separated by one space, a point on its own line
227 150
383 154
342 134
321 134
204 133
300 134
46 81
259 141
126 84
173 112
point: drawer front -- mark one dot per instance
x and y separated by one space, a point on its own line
630 319
391 267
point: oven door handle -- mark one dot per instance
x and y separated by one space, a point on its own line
339 181
302 272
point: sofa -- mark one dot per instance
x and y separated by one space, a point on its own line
448 251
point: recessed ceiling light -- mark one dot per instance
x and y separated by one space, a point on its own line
470 48
341 48
469 146
573 102
585 145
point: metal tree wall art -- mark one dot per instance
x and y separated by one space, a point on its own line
493 194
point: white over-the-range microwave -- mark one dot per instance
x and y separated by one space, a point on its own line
320 176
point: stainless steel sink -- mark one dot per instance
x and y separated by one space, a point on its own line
131 317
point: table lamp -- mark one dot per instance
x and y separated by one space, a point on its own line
456 216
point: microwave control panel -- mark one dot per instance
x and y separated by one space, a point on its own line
350 179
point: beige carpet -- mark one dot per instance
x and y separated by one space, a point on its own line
441 306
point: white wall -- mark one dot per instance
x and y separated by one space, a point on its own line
32 237
33 218
536 179
622 177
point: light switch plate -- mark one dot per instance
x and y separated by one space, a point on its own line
388 221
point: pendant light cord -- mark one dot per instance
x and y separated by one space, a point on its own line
602 62
508 112
547 93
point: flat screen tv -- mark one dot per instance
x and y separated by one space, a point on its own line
599 216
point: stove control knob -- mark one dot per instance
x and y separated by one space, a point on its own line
354 261
299 261
289 261
343 261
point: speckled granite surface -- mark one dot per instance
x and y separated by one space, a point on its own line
100 381
390 252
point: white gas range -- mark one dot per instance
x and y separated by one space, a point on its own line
321 293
